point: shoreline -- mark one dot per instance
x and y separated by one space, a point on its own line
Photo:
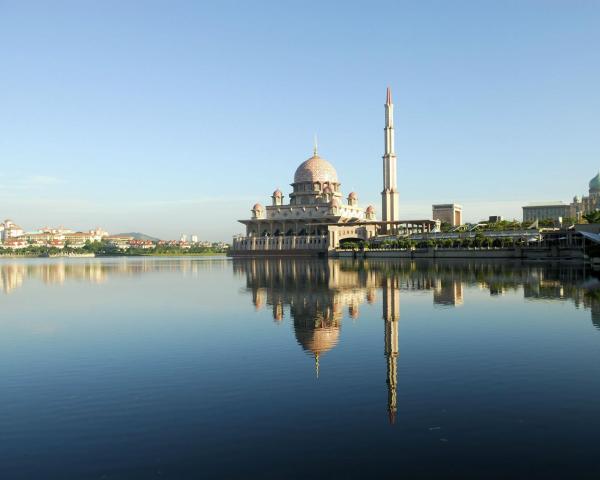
92 255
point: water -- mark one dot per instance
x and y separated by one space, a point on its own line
212 368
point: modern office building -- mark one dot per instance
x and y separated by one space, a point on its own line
546 211
448 213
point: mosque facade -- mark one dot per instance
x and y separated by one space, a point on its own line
318 215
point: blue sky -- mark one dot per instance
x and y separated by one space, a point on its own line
173 117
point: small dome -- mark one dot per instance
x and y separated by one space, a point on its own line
327 189
258 206
277 193
595 183
315 169
334 202
353 196
370 209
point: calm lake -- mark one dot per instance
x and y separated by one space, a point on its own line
184 368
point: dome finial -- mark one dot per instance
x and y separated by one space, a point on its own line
315 150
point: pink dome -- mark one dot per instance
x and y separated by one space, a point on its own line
315 169
277 193
258 206
353 196
370 209
334 202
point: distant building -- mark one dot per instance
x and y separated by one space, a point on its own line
576 209
194 238
183 238
495 218
9 230
546 211
448 213
122 242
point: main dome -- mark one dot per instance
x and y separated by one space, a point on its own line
595 183
315 169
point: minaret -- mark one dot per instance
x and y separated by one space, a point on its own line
389 195
391 315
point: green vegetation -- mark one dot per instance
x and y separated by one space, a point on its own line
479 241
106 249
593 217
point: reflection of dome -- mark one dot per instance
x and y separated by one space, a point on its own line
257 206
595 183
317 340
315 169
277 193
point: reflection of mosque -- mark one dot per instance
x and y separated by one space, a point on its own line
316 292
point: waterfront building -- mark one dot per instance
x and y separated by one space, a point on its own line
316 218
194 238
546 211
450 213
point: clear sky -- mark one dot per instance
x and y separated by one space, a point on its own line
173 117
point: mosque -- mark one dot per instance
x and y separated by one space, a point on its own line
318 216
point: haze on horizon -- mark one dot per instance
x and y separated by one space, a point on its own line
175 117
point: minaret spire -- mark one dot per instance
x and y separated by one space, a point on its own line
315 149
389 194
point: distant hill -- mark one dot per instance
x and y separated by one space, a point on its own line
139 236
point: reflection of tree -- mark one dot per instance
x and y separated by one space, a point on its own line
13 274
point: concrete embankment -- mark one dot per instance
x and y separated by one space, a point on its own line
516 253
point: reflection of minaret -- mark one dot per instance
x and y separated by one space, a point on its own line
391 315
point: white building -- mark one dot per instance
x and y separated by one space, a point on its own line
9 230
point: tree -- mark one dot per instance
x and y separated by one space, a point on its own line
593 217
445 227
